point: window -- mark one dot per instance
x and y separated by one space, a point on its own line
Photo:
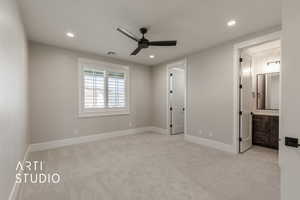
103 88
93 88
116 89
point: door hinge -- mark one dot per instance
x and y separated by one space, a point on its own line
241 86
171 125
171 108
183 109
240 139
241 112
241 60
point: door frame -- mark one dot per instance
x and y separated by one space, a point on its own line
182 62
236 80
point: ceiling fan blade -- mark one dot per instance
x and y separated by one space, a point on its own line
128 34
136 51
163 43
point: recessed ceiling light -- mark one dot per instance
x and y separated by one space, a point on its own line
71 35
152 56
231 23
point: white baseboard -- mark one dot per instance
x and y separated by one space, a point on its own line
159 130
84 139
210 143
90 138
16 187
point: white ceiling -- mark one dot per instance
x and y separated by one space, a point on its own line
196 24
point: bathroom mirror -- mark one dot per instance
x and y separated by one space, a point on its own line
267 91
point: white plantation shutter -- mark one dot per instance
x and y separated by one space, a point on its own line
116 89
104 88
94 90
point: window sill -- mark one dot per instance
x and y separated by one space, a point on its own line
102 114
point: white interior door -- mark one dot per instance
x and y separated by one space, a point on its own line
289 157
177 86
246 105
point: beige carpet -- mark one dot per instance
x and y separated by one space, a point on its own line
155 167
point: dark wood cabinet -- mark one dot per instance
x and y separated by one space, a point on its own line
265 131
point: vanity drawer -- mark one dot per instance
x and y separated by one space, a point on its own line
260 138
261 123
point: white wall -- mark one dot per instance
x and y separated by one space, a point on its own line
159 96
290 105
53 75
259 67
259 60
13 88
210 94
210 100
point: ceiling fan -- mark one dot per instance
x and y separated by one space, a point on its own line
143 43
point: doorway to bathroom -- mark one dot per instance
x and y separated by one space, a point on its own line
258 94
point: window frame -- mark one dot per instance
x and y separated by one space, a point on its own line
106 67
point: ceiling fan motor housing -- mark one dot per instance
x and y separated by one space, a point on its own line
144 43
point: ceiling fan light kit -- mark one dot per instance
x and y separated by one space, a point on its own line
144 43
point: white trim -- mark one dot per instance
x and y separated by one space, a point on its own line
85 139
185 97
101 114
210 143
236 74
95 137
106 66
183 63
16 187
259 40
167 100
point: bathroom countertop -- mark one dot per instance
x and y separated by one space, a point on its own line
266 113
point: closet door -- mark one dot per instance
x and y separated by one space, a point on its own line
245 104
176 99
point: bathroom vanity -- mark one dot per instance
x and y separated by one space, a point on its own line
265 121
265 130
